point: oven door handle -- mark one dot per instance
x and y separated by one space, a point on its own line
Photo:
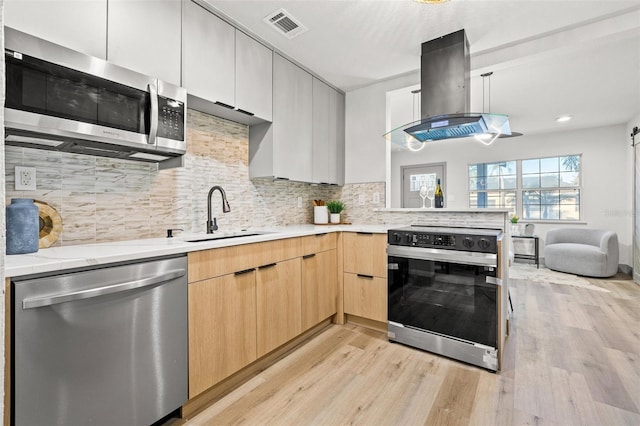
440 255
494 281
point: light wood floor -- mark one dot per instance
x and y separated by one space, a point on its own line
573 358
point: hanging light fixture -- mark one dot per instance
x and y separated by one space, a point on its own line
487 138
412 143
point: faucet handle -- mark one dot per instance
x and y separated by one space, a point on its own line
170 231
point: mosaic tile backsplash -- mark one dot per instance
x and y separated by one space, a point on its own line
102 199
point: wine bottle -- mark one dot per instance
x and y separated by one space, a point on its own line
439 196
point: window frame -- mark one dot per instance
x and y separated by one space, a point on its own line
520 190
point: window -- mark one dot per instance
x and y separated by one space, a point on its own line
493 185
534 189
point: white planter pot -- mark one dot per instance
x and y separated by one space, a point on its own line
335 217
320 214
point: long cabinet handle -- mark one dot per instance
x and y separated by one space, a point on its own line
244 271
366 276
322 234
308 256
269 265
38 302
364 233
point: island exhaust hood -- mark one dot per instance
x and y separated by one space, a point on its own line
445 98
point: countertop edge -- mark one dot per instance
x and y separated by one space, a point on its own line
58 259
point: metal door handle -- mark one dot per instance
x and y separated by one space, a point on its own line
38 302
153 127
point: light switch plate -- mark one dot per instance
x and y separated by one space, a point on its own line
299 202
376 198
25 178
361 199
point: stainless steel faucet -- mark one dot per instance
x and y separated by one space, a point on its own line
212 225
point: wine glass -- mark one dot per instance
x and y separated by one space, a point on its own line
431 194
423 194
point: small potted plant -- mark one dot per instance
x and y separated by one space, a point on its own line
514 224
335 208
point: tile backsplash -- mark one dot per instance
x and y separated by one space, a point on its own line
102 199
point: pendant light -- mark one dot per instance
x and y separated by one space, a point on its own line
489 137
412 143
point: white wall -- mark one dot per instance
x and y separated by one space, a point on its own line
607 173
365 123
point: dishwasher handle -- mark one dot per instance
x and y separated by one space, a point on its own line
38 302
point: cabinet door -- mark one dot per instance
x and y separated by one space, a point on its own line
278 304
222 328
254 77
336 137
321 132
365 296
78 25
208 56
319 287
365 253
292 132
145 36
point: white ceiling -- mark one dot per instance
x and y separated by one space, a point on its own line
549 57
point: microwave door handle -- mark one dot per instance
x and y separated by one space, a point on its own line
153 130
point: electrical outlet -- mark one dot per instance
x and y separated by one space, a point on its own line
376 198
25 178
299 202
361 199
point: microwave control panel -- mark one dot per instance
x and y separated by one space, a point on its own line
170 119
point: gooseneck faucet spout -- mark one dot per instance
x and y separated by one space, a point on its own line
212 224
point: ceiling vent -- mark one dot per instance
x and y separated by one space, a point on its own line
285 24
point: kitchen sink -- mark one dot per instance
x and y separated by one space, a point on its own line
223 236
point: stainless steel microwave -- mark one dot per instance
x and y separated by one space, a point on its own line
63 100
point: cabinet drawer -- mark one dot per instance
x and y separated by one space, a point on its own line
365 296
319 242
365 253
221 261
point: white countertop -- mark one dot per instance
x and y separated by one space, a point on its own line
441 210
60 258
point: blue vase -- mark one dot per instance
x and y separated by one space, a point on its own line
23 226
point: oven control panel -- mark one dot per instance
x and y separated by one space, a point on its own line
467 240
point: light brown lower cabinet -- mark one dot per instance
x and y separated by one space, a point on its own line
365 296
222 328
278 304
319 287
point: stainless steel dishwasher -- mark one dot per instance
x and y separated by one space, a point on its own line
104 346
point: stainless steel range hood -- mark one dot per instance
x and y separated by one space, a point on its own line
445 98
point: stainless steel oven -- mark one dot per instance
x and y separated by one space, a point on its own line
443 291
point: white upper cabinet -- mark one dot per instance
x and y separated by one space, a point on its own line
328 134
254 77
145 36
224 66
284 148
321 133
208 55
78 25
336 129
292 103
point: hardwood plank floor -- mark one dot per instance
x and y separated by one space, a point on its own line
573 358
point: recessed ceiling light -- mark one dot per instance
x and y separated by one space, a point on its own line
563 118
